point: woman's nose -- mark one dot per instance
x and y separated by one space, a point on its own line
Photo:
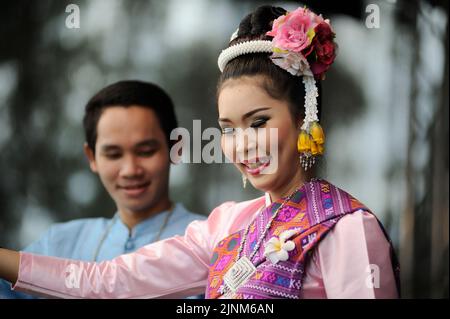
246 143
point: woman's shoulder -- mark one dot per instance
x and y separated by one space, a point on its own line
357 214
235 214
237 207
330 197
362 220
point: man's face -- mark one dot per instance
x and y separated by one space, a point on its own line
132 158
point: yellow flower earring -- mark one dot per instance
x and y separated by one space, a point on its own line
310 143
317 134
303 142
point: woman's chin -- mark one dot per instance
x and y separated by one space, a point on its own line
263 183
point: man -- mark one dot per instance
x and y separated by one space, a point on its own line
127 127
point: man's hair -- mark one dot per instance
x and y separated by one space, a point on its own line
126 94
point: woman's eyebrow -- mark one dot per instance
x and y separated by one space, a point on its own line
246 115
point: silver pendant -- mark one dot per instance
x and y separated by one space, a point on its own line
239 273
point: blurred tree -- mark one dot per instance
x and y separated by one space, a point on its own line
424 248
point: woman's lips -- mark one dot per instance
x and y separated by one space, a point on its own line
134 190
255 167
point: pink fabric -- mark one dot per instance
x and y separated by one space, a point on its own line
178 266
340 267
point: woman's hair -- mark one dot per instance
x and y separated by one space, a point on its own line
277 82
126 94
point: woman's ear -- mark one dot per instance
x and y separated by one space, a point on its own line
91 157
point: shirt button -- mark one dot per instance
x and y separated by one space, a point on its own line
129 246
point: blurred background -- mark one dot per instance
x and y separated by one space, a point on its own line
385 111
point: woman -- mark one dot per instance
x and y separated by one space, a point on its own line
305 239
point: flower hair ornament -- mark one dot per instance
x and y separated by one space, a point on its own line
303 45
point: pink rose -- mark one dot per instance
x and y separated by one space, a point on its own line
304 41
291 33
276 24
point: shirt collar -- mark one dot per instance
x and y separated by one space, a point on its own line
151 225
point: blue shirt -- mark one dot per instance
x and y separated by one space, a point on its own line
99 239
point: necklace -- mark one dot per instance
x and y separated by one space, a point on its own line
243 268
112 222
163 226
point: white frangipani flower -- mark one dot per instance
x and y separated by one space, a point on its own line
277 249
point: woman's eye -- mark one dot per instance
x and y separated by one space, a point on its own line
227 130
259 123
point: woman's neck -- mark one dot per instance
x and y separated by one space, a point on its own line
301 177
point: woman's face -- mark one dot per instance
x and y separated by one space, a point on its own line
271 163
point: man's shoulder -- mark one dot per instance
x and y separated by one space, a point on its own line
66 238
81 223
76 228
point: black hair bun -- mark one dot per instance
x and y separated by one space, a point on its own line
259 22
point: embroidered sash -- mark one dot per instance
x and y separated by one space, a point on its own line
313 210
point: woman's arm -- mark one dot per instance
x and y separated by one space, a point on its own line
175 267
9 264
